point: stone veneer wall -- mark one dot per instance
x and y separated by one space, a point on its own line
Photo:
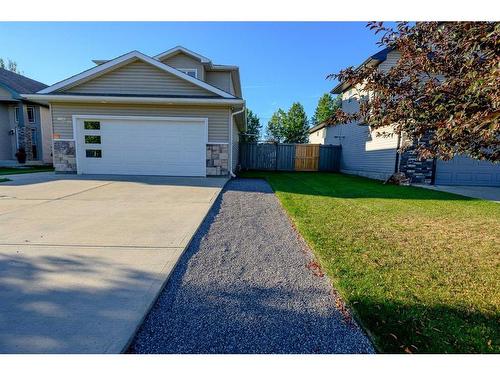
419 171
217 159
25 140
64 157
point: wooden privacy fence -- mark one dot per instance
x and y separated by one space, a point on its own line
289 157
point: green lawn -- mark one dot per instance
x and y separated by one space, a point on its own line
419 268
31 169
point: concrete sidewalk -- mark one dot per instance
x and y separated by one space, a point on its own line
480 192
82 258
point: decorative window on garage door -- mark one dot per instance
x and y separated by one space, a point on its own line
93 153
92 125
92 139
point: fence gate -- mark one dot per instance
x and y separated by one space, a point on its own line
306 157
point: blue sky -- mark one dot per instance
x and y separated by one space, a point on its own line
280 62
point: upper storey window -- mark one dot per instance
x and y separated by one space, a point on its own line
190 72
31 114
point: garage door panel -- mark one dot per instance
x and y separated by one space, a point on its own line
145 147
462 170
144 168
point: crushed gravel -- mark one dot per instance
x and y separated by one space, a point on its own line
248 284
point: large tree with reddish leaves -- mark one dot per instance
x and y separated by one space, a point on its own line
445 86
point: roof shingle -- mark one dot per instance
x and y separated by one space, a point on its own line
19 83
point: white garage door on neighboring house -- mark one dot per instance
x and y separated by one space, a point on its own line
462 170
141 145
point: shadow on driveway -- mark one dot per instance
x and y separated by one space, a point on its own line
37 316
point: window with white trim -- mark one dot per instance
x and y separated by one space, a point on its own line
31 114
190 72
16 114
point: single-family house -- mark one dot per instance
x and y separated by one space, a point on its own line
24 124
366 153
173 114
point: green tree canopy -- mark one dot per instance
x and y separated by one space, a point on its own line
327 105
296 125
289 127
275 126
252 133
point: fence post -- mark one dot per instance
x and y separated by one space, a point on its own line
276 158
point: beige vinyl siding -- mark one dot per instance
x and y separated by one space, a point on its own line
218 117
12 114
5 94
363 152
221 80
180 61
232 91
318 137
390 61
235 146
46 134
139 78
6 151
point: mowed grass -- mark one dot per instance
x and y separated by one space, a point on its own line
419 268
31 169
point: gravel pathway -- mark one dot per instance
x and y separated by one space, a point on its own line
246 284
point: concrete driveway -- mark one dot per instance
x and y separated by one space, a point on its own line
83 258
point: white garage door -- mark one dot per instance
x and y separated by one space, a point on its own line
141 146
462 170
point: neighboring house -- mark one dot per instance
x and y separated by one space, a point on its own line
173 114
23 123
366 154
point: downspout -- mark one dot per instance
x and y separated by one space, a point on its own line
231 139
396 166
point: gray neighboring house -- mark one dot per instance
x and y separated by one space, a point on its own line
173 114
366 154
23 123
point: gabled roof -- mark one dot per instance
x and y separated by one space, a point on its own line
123 60
19 83
209 66
375 59
179 49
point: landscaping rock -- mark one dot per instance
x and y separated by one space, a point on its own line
248 284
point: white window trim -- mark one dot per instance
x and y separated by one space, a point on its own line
16 115
202 120
34 114
187 70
